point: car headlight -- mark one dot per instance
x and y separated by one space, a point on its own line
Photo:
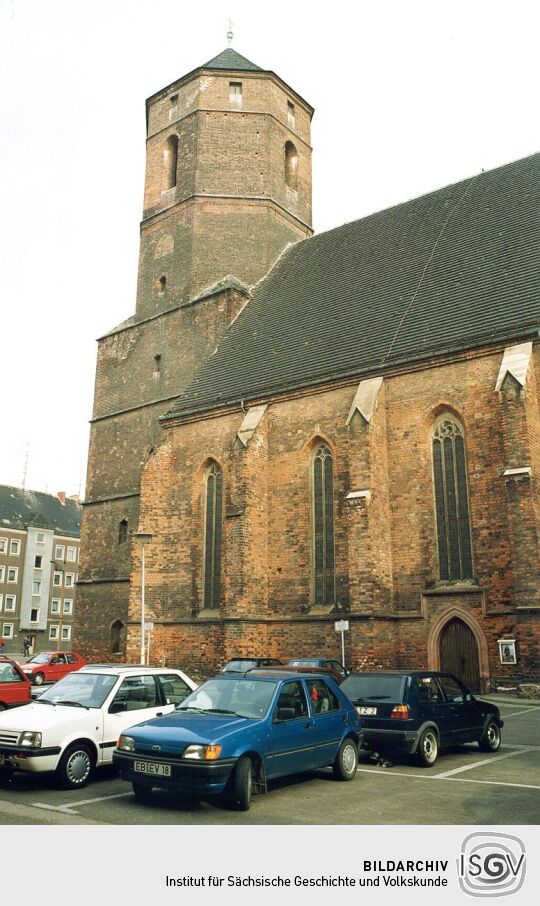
126 743
202 753
32 740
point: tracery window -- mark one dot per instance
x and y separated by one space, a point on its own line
323 526
213 534
451 501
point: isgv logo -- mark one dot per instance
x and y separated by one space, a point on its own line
491 865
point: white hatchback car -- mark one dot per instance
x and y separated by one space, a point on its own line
73 726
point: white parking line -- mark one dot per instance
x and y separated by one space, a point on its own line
69 808
392 773
527 711
479 764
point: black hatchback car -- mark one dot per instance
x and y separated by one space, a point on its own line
421 712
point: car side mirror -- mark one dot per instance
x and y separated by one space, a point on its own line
284 714
469 697
117 707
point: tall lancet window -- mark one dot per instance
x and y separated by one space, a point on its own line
170 161
323 526
291 166
451 501
213 534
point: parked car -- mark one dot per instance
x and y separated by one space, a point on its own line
302 668
50 666
235 733
243 664
73 726
15 688
337 668
420 713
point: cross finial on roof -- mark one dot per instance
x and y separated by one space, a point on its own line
230 32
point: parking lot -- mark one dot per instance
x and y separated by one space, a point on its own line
465 786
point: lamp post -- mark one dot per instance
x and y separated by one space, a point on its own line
142 538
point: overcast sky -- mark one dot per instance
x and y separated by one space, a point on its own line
409 96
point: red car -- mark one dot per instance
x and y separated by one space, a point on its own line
15 687
50 666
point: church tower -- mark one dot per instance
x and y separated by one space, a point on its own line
227 188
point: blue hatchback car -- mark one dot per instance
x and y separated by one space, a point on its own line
237 732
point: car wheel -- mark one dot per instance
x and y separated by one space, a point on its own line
428 748
491 739
38 679
75 767
141 792
346 762
5 775
2 706
241 783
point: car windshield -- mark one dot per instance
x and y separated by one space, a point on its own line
42 658
240 666
242 697
370 687
88 689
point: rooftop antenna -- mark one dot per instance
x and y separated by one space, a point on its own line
25 467
230 32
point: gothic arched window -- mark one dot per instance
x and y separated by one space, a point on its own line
213 533
117 630
451 500
170 159
323 525
291 166
122 531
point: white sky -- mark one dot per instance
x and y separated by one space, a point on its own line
409 96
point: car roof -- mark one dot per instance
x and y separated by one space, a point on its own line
287 674
126 668
399 673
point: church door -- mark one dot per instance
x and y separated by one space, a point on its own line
459 653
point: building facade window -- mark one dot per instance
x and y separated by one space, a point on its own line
2 573
7 630
13 574
3 545
40 538
53 633
116 637
36 589
38 560
291 166
15 547
235 94
10 603
122 531
57 579
1 602
323 526
69 580
67 607
291 117
71 554
59 552
170 161
451 501
66 633
34 614
55 605
213 532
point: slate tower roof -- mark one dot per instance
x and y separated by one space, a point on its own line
450 270
20 508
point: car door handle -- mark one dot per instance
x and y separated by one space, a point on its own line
159 714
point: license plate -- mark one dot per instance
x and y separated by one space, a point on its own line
365 710
151 767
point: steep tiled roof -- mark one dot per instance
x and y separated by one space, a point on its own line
450 270
20 509
230 59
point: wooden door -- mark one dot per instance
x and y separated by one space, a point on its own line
459 653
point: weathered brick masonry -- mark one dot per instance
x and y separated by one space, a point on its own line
361 340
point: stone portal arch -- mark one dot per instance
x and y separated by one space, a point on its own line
458 645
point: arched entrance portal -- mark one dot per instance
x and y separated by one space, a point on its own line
459 653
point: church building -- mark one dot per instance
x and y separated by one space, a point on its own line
310 429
